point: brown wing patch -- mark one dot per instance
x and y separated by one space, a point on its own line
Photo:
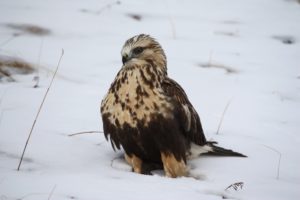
186 114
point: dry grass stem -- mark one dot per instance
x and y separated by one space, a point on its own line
228 70
12 65
236 186
170 19
136 17
30 29
223 114
2 110
51 193
101 10
279 159
39 110
172 27
9 39
37 77
84 132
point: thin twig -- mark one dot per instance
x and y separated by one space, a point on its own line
171 21
279 159
112 161
1 100
84 132
108 6
30 195
172 27
223 114
6 75
2 114
51 193
37 77
9 39
236 186
39 110
102 9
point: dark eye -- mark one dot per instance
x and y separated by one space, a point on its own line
137 50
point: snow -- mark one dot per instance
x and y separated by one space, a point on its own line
258 39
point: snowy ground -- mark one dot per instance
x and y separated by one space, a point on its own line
245 53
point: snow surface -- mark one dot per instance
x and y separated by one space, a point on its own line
245 53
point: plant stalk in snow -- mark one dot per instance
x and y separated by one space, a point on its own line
40 108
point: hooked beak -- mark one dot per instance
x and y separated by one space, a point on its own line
125 58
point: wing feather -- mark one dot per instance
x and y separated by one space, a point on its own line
186 115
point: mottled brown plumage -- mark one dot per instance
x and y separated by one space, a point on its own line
149 115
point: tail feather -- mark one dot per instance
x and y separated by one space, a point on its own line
220 151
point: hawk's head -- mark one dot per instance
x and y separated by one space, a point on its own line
143 48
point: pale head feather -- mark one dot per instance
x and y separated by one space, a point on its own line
152 50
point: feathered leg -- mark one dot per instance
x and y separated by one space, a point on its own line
135 162
172 167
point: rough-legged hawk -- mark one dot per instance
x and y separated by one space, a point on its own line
149 115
